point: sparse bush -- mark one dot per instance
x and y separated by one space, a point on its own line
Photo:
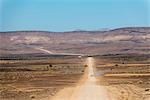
32 96
146 89
140 82
50 65
116 65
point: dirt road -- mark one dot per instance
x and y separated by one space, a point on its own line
85 90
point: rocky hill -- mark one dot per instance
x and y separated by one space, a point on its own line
122 40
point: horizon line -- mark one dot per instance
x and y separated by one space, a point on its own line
76 30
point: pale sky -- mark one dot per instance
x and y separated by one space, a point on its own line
69 15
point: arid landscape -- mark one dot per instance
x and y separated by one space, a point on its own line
126 77
122 40
38 79
77 65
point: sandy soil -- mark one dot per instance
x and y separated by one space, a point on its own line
124 79
68 79
38 79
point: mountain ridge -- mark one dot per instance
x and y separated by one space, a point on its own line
123 28
122 40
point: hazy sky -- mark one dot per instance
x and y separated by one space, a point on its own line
66 15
